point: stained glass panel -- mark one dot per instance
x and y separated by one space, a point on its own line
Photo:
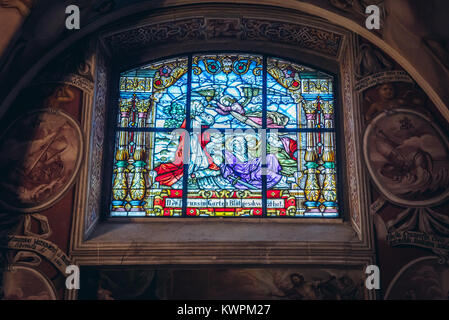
288 86
260 140
225 177
305 187
148 174
227 91
154 94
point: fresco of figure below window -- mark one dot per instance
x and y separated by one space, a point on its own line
296 283
43 152
408 158
262 284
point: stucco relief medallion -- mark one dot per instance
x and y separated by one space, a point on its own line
424 278
42 153
407 156
25 283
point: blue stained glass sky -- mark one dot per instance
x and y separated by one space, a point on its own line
231 85
280 100
175 93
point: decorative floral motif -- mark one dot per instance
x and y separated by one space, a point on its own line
253 29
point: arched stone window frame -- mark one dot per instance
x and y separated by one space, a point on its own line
300 37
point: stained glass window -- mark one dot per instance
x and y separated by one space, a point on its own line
225 135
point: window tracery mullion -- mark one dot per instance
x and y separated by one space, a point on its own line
188 128
264 137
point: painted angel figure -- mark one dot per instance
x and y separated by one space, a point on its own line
227 105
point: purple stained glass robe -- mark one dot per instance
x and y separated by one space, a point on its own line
250 172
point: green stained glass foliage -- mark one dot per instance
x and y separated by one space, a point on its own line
225 135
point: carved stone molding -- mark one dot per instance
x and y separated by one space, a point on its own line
153 34
300 35
350 132
74 67
97 137
72 79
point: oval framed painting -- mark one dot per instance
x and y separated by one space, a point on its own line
41 155
407 156
24 283
424 278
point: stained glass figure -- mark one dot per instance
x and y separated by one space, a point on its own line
225 178
233 135
230 89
